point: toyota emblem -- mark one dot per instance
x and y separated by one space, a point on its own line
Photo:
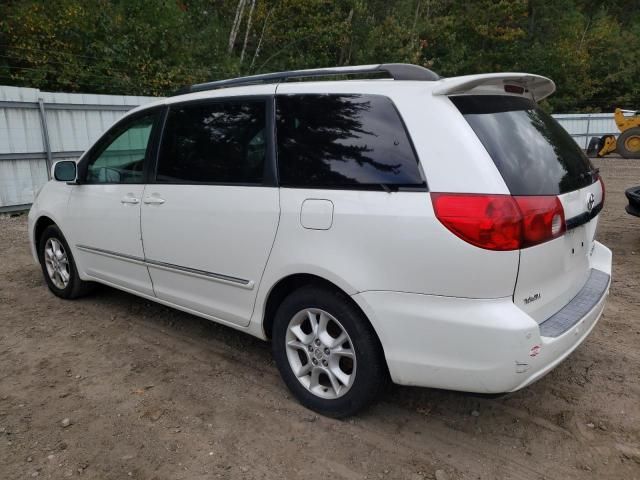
591 201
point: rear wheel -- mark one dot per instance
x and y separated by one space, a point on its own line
629 143
327 352
58 266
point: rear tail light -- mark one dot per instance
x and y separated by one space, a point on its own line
500 222
542 219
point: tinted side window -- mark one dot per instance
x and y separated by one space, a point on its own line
122 158
533 153
343 141
221 142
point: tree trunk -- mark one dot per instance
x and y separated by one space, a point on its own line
346 47
236 24
264 27
246 33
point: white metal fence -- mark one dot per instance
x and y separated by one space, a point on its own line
583 126
38 128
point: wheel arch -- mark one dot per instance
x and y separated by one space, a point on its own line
39 227
286 285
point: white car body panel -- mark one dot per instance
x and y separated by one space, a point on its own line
466 344
558 269
448 314
51 202
109 249
196 228
399 230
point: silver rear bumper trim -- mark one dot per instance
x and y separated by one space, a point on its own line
587 298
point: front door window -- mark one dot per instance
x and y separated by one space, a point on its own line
121 159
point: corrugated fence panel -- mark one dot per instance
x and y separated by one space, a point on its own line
583 126
19 179
74 121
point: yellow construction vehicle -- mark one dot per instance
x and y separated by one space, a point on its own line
628 142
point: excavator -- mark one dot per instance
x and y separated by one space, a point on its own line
628 142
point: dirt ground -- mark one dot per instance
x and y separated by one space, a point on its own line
154 393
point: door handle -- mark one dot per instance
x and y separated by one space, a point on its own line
130 200
153 200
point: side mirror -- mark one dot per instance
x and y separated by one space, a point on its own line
64 171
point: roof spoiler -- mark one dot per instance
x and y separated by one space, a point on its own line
535 86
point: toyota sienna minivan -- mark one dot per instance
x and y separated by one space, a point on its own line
436 232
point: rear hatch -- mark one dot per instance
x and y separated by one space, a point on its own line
537 157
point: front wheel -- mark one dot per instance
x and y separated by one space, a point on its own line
58 266
327 352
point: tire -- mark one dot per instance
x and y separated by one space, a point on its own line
55 258
594 146
628 143
361 370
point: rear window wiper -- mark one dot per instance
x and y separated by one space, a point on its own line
593 173
389 187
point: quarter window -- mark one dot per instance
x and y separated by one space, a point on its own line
221 142
343 141
122 160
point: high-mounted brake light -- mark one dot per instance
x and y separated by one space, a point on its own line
500 222
514 89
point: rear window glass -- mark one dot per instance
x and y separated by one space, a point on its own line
343 141
533 153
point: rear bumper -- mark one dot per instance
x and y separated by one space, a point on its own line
475 345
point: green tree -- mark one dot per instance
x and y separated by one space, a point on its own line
153 47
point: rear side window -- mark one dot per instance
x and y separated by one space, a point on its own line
343 141
221 142
533 153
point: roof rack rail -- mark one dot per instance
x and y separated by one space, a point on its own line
397 71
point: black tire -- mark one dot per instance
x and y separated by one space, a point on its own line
594 146
371 374
75 287
627 137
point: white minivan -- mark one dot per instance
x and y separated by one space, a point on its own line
430 231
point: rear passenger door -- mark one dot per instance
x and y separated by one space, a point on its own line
210 213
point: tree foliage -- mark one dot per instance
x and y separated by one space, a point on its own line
152 47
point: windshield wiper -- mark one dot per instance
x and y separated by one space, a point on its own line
389 187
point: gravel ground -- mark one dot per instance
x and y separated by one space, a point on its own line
112 386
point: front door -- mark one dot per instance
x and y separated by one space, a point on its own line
104 210
209 216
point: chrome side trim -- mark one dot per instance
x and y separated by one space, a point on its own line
218 277
109 253
241 282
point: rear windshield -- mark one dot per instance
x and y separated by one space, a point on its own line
533 153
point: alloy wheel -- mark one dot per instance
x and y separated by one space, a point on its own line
320 353
57 263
